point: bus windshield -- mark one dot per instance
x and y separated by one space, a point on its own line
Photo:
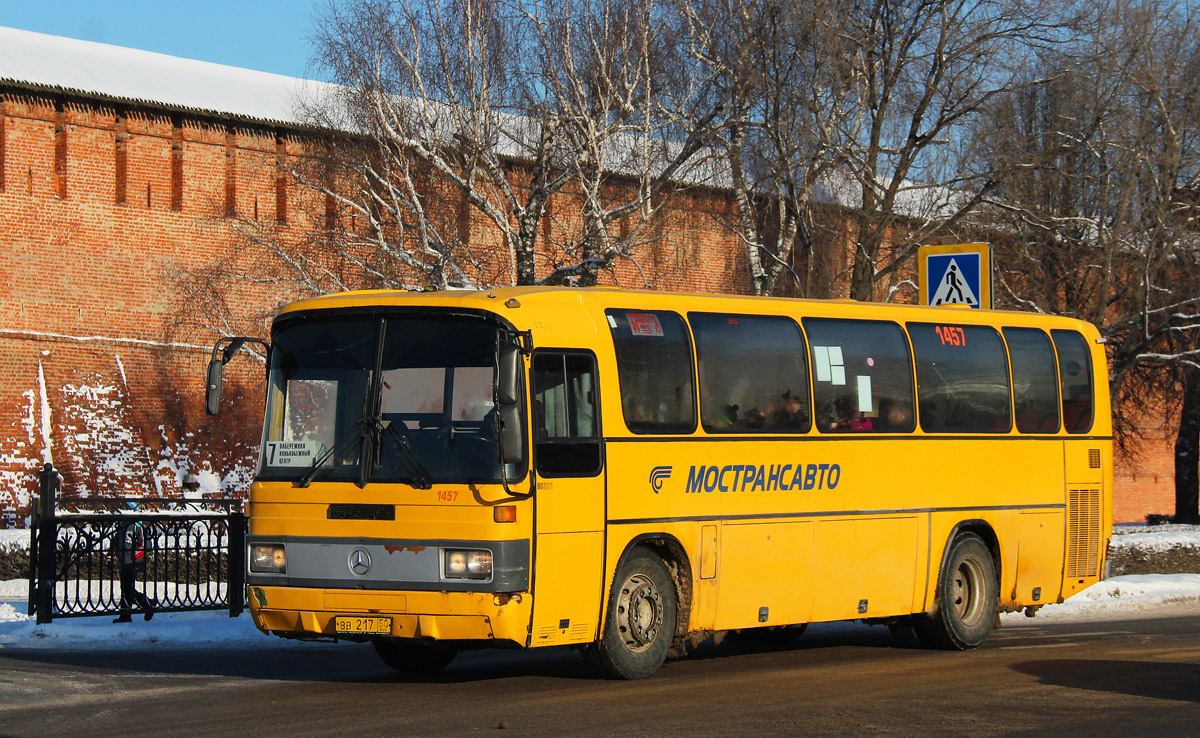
425 417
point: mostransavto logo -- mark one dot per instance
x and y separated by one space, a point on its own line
657 475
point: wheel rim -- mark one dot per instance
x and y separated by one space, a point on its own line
639 612
966 591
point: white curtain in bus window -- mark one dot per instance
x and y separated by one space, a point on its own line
1075 372
962 378
862 376
654 369
753 377
1035 381
413 392
311 413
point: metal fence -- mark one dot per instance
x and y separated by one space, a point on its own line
134 556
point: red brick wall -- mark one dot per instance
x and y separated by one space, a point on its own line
99 375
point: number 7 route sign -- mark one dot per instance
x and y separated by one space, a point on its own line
956 274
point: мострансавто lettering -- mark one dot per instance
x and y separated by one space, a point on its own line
763 478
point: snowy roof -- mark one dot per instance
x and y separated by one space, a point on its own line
43 62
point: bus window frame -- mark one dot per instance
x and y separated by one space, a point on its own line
597 406
805 378
906 341
1006 372
1012 380
1091 375
689 343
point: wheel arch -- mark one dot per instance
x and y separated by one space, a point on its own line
987 534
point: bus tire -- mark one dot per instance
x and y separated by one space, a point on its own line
640 625
418 658
968 598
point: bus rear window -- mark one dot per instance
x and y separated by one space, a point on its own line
962 378
862 376
654 367
752 374
1075 376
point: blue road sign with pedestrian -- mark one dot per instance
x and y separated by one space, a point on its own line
953 279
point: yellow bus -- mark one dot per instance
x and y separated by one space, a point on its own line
629 472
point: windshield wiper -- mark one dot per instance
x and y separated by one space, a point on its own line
420 477
336 448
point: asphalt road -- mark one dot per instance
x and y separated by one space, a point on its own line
1127 677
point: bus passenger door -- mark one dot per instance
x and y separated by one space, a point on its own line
568 456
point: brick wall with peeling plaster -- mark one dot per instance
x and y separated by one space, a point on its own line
100 211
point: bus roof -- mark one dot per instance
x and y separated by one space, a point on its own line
500 300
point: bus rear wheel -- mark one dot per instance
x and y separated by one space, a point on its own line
968 598
641 619
410 656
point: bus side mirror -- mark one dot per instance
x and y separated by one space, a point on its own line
508 390
212 389
512 440
222 352
508 394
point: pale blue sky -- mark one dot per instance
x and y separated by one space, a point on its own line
267 35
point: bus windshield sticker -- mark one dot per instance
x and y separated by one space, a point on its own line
837 366
829 364
864 393
821 360
292 453
644 324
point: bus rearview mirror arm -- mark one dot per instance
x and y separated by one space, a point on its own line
222 352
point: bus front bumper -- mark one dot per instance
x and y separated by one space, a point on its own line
300 612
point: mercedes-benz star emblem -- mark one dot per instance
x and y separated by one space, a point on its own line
359 562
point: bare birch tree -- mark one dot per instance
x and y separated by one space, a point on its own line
923 70
1101 213
782 72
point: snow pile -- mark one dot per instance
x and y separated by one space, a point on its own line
1155 538
180 628
16 538
1124 597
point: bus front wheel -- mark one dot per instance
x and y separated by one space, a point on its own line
410 656
641 619
968 598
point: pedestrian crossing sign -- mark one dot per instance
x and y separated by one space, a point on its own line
958 274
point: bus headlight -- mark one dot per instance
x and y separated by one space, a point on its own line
268 558
460 564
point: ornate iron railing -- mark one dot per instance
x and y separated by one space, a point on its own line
126 556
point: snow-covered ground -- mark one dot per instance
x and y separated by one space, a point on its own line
1116 598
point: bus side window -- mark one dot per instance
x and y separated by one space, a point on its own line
1035 381
654 368
753 377
1075 376
962 378
862 376
566 431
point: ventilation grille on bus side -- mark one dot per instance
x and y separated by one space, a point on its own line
361 512
577 632
1093 458
1083 532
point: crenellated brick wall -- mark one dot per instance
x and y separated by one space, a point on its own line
102 208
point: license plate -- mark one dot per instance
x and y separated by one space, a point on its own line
367 626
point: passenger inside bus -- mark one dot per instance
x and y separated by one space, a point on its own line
849 417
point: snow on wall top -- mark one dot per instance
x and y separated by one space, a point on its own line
116 73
